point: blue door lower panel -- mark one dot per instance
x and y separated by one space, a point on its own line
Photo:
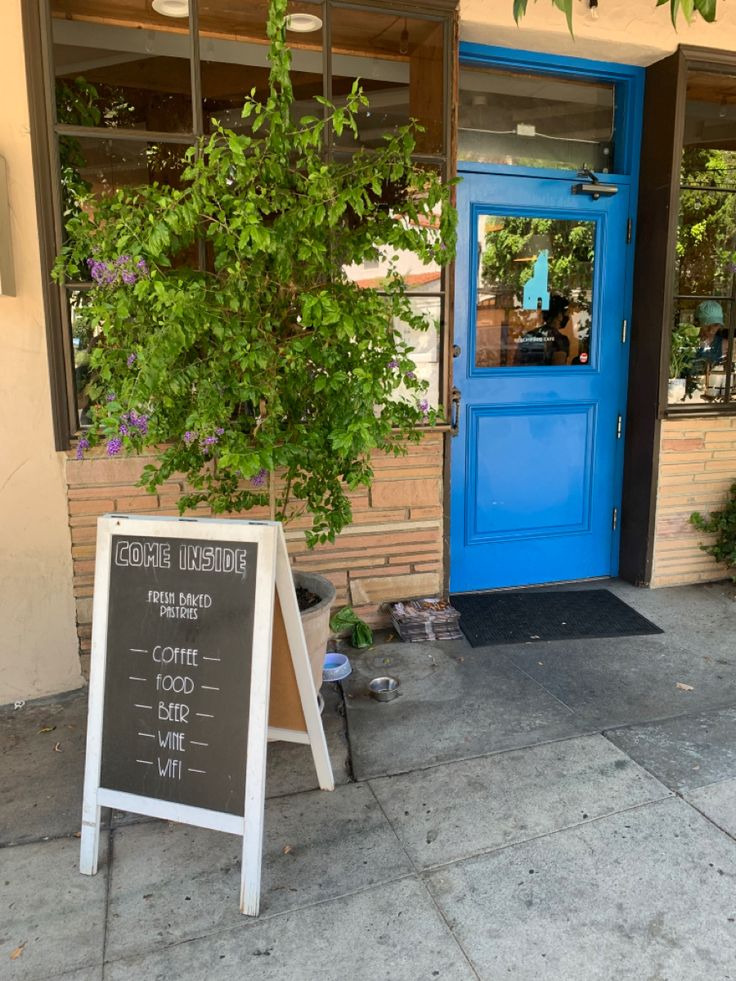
530 471
536 466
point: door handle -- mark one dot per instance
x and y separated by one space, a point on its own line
455 414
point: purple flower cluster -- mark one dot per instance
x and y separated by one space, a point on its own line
260 478
424 407
131 360
209 441
121 270
114 446
393 363
410 375
133 423
82 445
191 436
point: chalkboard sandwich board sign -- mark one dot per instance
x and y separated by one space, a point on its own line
180 677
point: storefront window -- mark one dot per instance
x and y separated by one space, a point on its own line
701 368
133 92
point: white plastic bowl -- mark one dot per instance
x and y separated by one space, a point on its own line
336 667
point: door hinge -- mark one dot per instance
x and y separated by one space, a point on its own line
624 331
614 522
619 426
629 230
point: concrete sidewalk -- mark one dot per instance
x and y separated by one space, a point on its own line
556 811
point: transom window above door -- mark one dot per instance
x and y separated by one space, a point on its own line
530 120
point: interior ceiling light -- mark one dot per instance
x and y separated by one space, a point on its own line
303 23
171 8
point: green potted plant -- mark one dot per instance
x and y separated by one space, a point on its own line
684 346
263 375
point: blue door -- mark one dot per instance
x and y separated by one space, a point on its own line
540 322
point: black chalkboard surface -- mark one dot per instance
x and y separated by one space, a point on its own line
178 669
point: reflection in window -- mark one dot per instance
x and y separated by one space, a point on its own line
83 334
105 165
706 247
424 284
535 292
701 349
119 76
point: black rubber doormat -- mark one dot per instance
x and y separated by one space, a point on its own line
529 616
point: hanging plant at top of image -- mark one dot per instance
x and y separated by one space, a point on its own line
705 8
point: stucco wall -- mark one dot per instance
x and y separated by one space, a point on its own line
634 32
38 644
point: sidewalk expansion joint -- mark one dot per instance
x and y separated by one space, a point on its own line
546 834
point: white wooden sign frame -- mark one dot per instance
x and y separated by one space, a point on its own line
273 570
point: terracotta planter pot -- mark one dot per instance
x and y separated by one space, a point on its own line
285 711
316 620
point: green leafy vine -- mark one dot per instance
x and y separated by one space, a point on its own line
722 524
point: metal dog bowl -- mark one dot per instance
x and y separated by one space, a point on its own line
384 689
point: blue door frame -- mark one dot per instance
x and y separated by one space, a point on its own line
517 423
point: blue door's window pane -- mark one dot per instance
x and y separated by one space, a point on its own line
534 298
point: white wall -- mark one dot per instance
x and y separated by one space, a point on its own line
634 32
38 642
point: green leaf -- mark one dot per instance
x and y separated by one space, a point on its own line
519 9
362 635
706 9
566 7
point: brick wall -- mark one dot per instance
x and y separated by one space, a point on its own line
393 549
697 465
